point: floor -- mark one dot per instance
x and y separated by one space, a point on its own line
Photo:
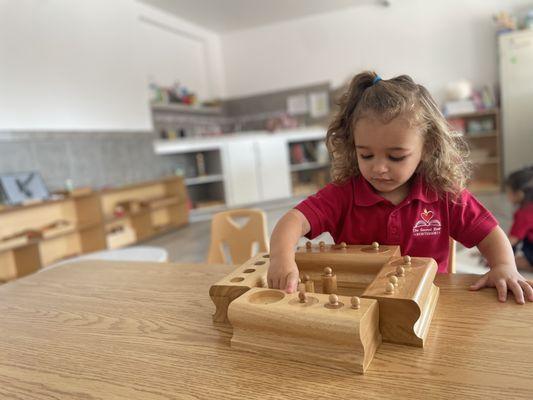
190 244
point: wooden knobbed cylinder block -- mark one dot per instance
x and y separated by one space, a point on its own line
329 281
276 324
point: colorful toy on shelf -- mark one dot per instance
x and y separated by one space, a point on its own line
350 299
505 22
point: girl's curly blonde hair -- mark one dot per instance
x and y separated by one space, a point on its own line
444 163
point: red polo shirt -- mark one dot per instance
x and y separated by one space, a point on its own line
523 223
421 224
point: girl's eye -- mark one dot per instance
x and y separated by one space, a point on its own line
366 157
397 158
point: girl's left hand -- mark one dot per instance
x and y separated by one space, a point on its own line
504 278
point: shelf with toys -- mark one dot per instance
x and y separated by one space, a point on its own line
133 212
481 129
36 235
39 234
309 165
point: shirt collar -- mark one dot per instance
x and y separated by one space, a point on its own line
364 194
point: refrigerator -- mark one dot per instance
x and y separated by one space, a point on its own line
516 80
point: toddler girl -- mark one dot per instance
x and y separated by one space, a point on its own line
399 178
519 187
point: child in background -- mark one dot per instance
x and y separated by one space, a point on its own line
519 187
399 178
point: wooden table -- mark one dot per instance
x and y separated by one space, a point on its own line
103 330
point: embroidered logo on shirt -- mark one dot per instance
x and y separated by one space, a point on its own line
427 225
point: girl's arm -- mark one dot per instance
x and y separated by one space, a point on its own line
503 274
283 271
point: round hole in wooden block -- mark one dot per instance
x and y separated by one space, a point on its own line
259 262
266 297
266 256
249 270
237 279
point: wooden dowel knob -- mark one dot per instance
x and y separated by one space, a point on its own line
400 271
356 302
302 296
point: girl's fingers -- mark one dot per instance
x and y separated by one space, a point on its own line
501 287
528 290
292 282
517 291
282 283
480 283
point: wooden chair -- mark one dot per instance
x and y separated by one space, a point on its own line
451 256
239 240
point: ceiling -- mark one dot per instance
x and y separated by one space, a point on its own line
223 16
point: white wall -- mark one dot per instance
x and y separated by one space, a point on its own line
85 65
176 50
434 41
70 65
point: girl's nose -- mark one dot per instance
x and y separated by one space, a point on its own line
379 167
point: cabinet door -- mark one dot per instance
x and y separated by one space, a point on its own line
240 175
273 168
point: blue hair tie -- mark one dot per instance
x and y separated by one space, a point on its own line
376 79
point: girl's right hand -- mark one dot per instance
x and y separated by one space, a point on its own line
283 274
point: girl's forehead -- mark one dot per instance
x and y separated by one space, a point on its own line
397 131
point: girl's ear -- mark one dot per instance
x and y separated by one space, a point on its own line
520 196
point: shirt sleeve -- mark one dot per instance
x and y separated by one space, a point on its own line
520 225
324 209
470 222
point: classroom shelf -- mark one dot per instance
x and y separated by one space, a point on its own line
199 180
308 166
46 232
184 108
481 130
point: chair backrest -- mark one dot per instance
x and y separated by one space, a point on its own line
451 256
239 240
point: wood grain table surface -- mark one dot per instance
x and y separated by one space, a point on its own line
106 330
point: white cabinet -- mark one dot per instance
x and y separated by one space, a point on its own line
272 164
255 165
240 173
255 170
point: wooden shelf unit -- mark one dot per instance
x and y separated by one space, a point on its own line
87 223
81 232
309 172
481 130
163 203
